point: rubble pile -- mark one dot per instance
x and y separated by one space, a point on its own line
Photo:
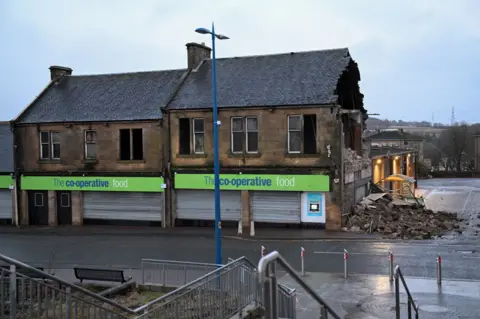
398 218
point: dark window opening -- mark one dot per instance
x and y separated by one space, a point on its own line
184 136
125 151
131 144
137 144
310 134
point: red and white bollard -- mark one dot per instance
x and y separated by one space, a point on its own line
439 270
302 256
345 264
262 251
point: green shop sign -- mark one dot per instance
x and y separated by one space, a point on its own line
6 181
90 183
317 183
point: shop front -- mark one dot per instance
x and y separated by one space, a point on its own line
6 198
270 198
72 198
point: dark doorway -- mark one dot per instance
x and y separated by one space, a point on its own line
38 208
64 208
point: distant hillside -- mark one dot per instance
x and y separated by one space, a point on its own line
376 123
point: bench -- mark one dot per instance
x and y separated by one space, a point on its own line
25 272
97 274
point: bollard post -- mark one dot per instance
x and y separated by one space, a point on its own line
439 270
262 252
345 264
302 256
390 265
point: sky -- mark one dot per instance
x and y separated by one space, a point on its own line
418 58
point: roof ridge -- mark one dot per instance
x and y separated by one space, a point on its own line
283 53
128 73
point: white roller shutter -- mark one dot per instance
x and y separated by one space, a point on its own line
276 207
146 206
6 209
199 205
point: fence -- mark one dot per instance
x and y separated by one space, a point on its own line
173 273
219 294
23 297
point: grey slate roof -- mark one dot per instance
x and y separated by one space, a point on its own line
107 97
301 78
394 135
6 148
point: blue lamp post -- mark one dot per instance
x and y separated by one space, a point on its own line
216 164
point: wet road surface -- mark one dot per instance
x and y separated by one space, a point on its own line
417 258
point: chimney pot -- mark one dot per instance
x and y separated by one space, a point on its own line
196 53
57 72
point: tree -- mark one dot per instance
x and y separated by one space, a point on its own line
454 143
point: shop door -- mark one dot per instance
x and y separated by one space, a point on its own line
276 207
38 208
126 206
64 208
6 204
199 205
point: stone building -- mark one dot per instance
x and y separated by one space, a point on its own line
137 147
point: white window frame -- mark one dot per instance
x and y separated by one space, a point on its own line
232 131
89 143
52 144
246 134
194 132
43 143
288 129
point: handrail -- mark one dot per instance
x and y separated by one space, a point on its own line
174 262
265 261
108 301
399 277
175 292
65 283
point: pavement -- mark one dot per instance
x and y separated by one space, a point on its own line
373 297
273 234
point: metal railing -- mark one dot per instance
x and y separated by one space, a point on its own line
222 292
268 280
287 300
23 297
410 303
219 294
173 273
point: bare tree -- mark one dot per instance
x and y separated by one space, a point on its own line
453 142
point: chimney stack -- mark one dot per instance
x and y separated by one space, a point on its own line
56 72
196 53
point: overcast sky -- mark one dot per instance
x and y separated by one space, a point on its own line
416 57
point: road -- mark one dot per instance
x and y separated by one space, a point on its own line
418 259
460 254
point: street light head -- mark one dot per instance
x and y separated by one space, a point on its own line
203 31
221 37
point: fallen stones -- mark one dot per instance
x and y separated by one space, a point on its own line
398 218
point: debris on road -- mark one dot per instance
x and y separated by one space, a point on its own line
397 218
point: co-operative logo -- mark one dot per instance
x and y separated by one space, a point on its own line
239 181
97 183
